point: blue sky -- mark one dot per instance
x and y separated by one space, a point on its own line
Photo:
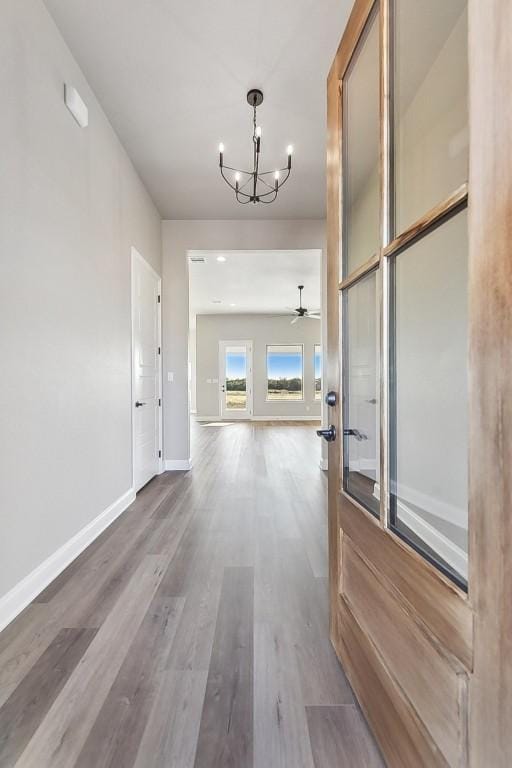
235 365
281 366
318 363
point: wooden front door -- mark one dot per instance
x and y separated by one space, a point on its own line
420 358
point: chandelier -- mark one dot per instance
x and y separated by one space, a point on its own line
255 186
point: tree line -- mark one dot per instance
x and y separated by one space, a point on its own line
274 385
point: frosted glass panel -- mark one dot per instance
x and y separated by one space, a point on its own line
429 424
431 105
361 152
361 392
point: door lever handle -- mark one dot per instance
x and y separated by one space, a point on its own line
355 433
328 434
138 404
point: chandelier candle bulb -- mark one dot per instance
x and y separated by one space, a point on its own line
289 152
221 153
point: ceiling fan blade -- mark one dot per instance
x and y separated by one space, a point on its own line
295 320
313 317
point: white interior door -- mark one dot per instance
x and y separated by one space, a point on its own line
235 379
146 379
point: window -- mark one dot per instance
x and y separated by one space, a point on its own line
404 288
429 396
361 392
284 372
318 372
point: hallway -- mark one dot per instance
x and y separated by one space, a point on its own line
193 632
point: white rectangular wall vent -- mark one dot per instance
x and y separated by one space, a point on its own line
197 259
76 105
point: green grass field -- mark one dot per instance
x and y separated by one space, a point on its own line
237 401
283 394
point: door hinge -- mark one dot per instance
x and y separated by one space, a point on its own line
158 300
159 454
159 351
159 401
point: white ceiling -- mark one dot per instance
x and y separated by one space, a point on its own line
172 77
260 282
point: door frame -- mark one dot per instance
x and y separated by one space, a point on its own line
137 258
248 343
472 630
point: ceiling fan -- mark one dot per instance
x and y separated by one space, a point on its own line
301 311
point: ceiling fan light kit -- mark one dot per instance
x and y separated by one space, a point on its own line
256 186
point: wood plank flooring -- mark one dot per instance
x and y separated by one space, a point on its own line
193 633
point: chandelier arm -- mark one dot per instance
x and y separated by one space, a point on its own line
266 194
267 202
245 183
244 194
227 180
267 173
270 186
237 170
283 182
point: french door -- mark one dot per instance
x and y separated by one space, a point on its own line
420 360
235 379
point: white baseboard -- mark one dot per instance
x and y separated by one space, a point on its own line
260 418
324 463
285 418
12 603
171 465
207 418
361 465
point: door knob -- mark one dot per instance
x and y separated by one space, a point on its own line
331 398
328 434
138 404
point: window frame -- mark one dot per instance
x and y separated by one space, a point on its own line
391 244
315 398
291 400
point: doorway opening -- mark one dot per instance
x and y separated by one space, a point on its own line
255 339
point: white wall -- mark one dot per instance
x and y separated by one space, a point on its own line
178 238
261 330
71 205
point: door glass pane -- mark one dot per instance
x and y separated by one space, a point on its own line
431 105
361 113
429 396
361 392
318 372
236 378
284 372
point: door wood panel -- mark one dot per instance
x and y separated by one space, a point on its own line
401 735
430 663
436 686
434 599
